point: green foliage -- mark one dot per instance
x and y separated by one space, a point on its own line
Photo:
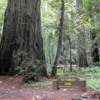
92 14
3 4
86 4
94 83
38 84
90 74
50 22
27 69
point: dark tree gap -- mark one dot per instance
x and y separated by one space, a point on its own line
95 51
22 37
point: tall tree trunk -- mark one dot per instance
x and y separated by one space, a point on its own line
71 69
22 37
49 40
60 30
81 52
99 46
0 37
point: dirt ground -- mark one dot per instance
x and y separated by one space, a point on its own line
11 88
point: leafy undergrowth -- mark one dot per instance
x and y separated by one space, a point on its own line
91 75
94 83
38 84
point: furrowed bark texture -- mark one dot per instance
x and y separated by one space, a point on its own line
21 33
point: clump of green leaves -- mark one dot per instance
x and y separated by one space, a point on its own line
30 70
37 84
94 83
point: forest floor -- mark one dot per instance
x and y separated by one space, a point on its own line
12 88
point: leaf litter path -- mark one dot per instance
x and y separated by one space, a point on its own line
11 88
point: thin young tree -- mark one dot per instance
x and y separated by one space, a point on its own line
22 37
60 31
70 44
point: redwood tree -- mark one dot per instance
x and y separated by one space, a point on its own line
22 37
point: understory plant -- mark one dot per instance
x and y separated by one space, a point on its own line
29 70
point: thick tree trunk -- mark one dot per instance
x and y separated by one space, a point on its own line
60 30
22 37
81 52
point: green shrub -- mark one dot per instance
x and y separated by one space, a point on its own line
27 69
37 84
94 83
